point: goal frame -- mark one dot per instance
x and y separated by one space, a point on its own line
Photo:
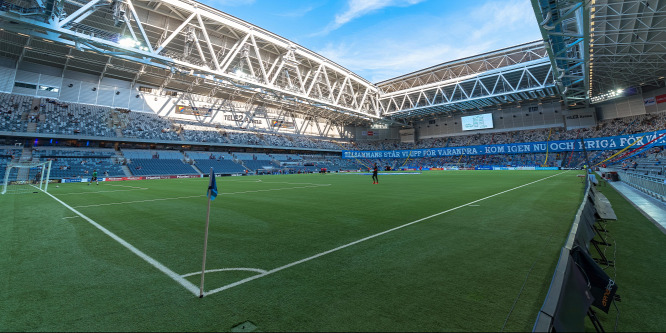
44 176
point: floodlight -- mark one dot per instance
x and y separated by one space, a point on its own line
127 42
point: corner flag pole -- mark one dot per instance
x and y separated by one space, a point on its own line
211 194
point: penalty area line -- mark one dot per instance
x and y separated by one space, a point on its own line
275 270
173 275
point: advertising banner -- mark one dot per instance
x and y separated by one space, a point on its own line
660 98
117 179
605 143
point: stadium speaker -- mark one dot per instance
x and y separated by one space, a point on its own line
70 85
137 96
117 92
501 117
94 89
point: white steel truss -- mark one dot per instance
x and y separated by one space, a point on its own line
506 76
187 44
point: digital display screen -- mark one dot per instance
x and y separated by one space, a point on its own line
477 122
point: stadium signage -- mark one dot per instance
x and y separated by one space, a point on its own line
605 143
242 118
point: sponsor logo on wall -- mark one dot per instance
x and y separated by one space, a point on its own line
650 101
282 124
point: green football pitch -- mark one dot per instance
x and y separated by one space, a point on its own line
431 251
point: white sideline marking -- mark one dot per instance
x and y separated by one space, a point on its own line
261 271
201 195
94 192
275 270
187 284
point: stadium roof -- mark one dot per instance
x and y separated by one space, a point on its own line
588 48
187 47
510 75
596 46
627 44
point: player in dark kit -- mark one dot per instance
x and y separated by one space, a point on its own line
375 179
94 178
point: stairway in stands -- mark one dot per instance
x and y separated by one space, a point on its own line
116 123
119 158
26 156
127 171
34 113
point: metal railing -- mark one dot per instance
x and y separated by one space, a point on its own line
654 186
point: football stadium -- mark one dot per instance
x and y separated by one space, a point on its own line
167 166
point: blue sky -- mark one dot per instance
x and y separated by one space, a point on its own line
382 39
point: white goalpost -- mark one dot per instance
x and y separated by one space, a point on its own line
26 177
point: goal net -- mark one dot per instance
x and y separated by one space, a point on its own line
26 177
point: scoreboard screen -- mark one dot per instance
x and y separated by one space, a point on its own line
477 122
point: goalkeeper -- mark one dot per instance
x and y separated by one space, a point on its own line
93 178
38 177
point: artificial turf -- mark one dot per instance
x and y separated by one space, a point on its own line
463 265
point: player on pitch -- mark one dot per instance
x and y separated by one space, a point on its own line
94 178
375 179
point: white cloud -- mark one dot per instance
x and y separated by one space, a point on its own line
377 64
492 17
359 8
396 48
300 12
219 4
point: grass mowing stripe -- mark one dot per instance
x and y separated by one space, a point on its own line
197 196
275 270
176 277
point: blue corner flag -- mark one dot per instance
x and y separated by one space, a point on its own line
212 186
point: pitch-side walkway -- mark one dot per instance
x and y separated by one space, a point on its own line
652 208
